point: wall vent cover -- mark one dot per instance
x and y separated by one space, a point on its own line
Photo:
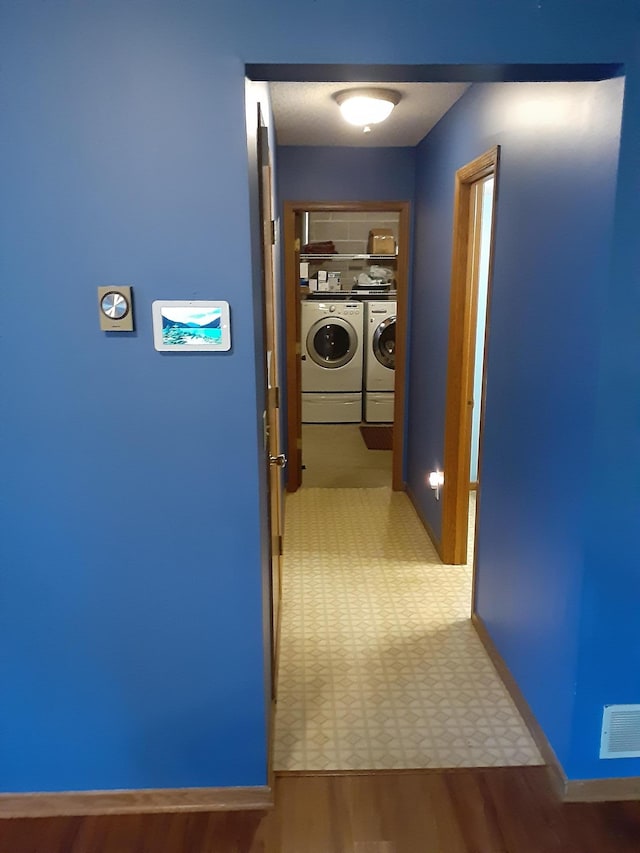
620 732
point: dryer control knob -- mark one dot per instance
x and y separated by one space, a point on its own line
332 308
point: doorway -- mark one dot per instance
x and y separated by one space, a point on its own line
532 156
374 625
294 215
476 187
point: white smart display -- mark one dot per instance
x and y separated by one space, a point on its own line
196 326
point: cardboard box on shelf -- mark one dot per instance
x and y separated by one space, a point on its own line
381 242
323 283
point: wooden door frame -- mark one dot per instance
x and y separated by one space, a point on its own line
292 327
462 323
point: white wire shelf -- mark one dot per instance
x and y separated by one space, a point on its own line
349 257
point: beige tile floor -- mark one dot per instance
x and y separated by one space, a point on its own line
335 456
380 667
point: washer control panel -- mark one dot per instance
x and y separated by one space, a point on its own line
344 309
349 310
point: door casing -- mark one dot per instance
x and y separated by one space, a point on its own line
460 362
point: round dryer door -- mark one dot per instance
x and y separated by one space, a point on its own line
384 343
332 342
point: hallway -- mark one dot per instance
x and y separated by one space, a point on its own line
380 667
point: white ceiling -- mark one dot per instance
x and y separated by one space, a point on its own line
306 113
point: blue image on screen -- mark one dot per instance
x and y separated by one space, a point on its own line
182 326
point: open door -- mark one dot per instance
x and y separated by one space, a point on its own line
472 258
275 459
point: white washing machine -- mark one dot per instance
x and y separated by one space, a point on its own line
380 361
332 361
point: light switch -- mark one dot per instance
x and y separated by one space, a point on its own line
115 308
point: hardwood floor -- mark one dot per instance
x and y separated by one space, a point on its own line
499 810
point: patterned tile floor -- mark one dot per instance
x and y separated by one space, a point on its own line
380 667
336 457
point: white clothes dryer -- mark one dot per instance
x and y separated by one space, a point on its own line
380 361
332 361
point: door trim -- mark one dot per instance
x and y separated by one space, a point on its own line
292 328
458 411
137 801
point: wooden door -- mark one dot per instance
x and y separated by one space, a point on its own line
275 460
467 227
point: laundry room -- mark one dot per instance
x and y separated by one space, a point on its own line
348 290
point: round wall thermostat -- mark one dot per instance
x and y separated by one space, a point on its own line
115 308
114 305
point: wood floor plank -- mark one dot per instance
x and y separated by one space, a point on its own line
501 810
475 812
616 824
516 799
305 818
363 811
449 834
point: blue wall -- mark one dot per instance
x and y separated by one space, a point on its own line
559 148
132 590
610 649
323 173
131 571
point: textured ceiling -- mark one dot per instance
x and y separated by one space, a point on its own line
306 114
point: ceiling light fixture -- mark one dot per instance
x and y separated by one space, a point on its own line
366 106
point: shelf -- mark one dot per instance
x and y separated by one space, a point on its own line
348 294
349 257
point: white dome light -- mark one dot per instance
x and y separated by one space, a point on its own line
366 106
